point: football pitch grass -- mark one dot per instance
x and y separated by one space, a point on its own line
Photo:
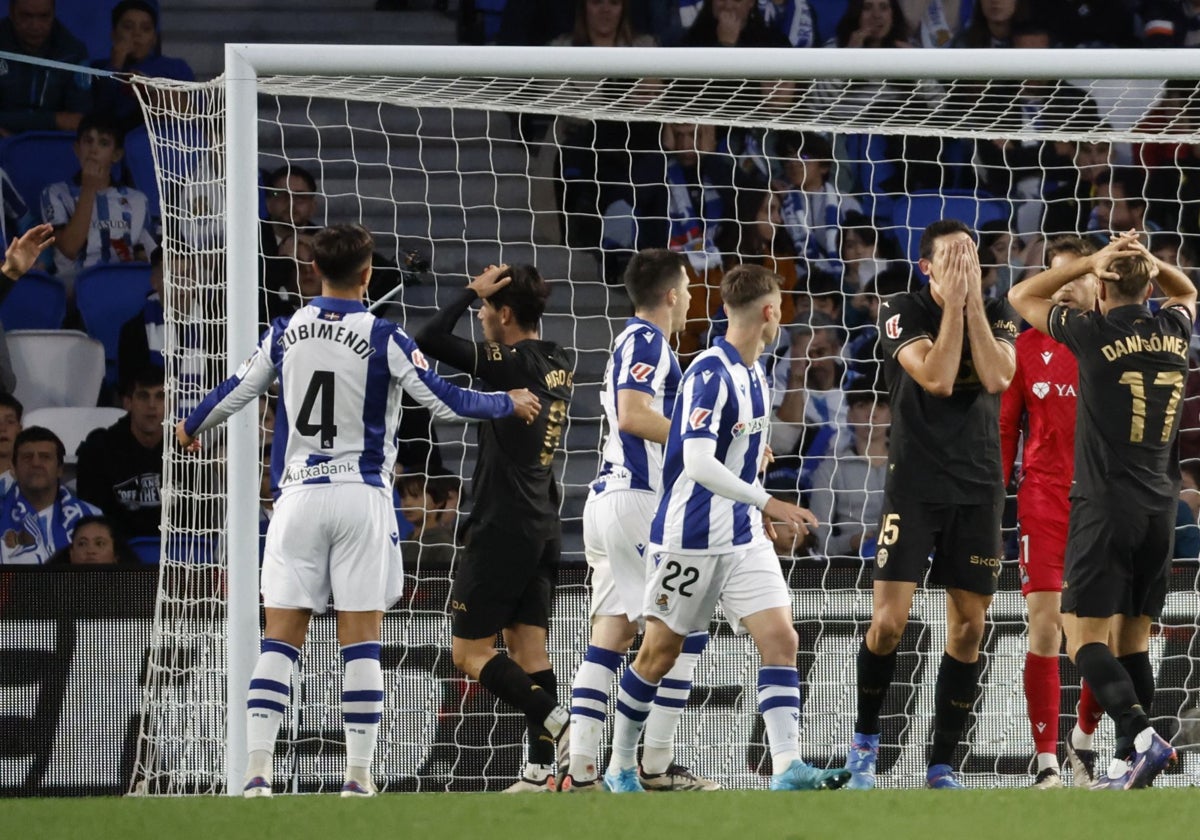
738 815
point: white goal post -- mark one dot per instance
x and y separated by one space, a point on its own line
801 90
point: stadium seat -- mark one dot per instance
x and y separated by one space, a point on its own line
37 302
147 549
36 159
911 213
828 13
139 159
108 296
90 21
72 424
56 368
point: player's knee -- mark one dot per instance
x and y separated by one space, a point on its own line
965 633
467 659
885 632
779 647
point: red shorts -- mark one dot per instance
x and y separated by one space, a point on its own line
1042 518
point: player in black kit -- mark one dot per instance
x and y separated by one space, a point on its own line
1132 370
948 355
505 582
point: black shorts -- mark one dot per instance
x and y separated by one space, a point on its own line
964 540
1118 559
504 578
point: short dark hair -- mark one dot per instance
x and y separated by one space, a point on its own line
936 230
526 295
124 6
1131 180
651 274
284 172
9 401
893 280
341 252
1191 466
1069 244
147 375
860 395
39 434
743 284
102 123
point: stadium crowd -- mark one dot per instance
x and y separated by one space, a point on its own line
819 210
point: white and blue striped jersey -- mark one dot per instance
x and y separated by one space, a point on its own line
641 361
341 373
726 401
120 223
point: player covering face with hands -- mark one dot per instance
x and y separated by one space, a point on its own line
341 372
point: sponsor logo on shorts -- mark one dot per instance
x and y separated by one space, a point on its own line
991 563
662 603
325 470
457 606
881 558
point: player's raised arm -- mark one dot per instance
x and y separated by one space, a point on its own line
450 402
437 336
990 335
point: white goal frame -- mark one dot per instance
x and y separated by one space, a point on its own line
245 64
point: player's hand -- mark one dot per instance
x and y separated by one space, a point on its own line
1136 246
189 443
768 458
525 404
24 251
974 272
953 282
1121 245
801 519
489 281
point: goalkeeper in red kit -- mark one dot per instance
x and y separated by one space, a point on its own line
1039 407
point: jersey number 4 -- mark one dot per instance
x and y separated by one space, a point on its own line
319 387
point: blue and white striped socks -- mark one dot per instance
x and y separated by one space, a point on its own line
589 707
634 697
270 687
779 702
669 703
362 702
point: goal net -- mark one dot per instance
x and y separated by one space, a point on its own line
827 172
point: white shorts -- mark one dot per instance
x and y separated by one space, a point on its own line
684 589
340 539
616 528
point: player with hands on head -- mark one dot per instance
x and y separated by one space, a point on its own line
1037 417
342 372
948 354
1132 368
505 581
708 543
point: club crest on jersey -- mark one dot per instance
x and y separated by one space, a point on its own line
881 558
699 417
1041 389
419 361
758 424
662 603
892 327
641 371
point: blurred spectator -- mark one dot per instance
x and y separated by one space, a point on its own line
38 514
142 336
732 23
758 238
825 296
34 98
95 543
530 23
429 504
1069 204
872 23
1171 248
847 490
1120 204
794 19
297 276
862 353
11 412
292 202
96 220
809 403
996 249
1171 23
137 51
939 22
1189 421
1090 23
1187 533
15 215
992 23
120 468
860 251
812 208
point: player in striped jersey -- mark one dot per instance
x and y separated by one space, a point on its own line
342 371
640 382
709 543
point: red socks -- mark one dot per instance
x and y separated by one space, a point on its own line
1042 690
1090 712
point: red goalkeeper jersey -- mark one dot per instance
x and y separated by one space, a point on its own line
1040 403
